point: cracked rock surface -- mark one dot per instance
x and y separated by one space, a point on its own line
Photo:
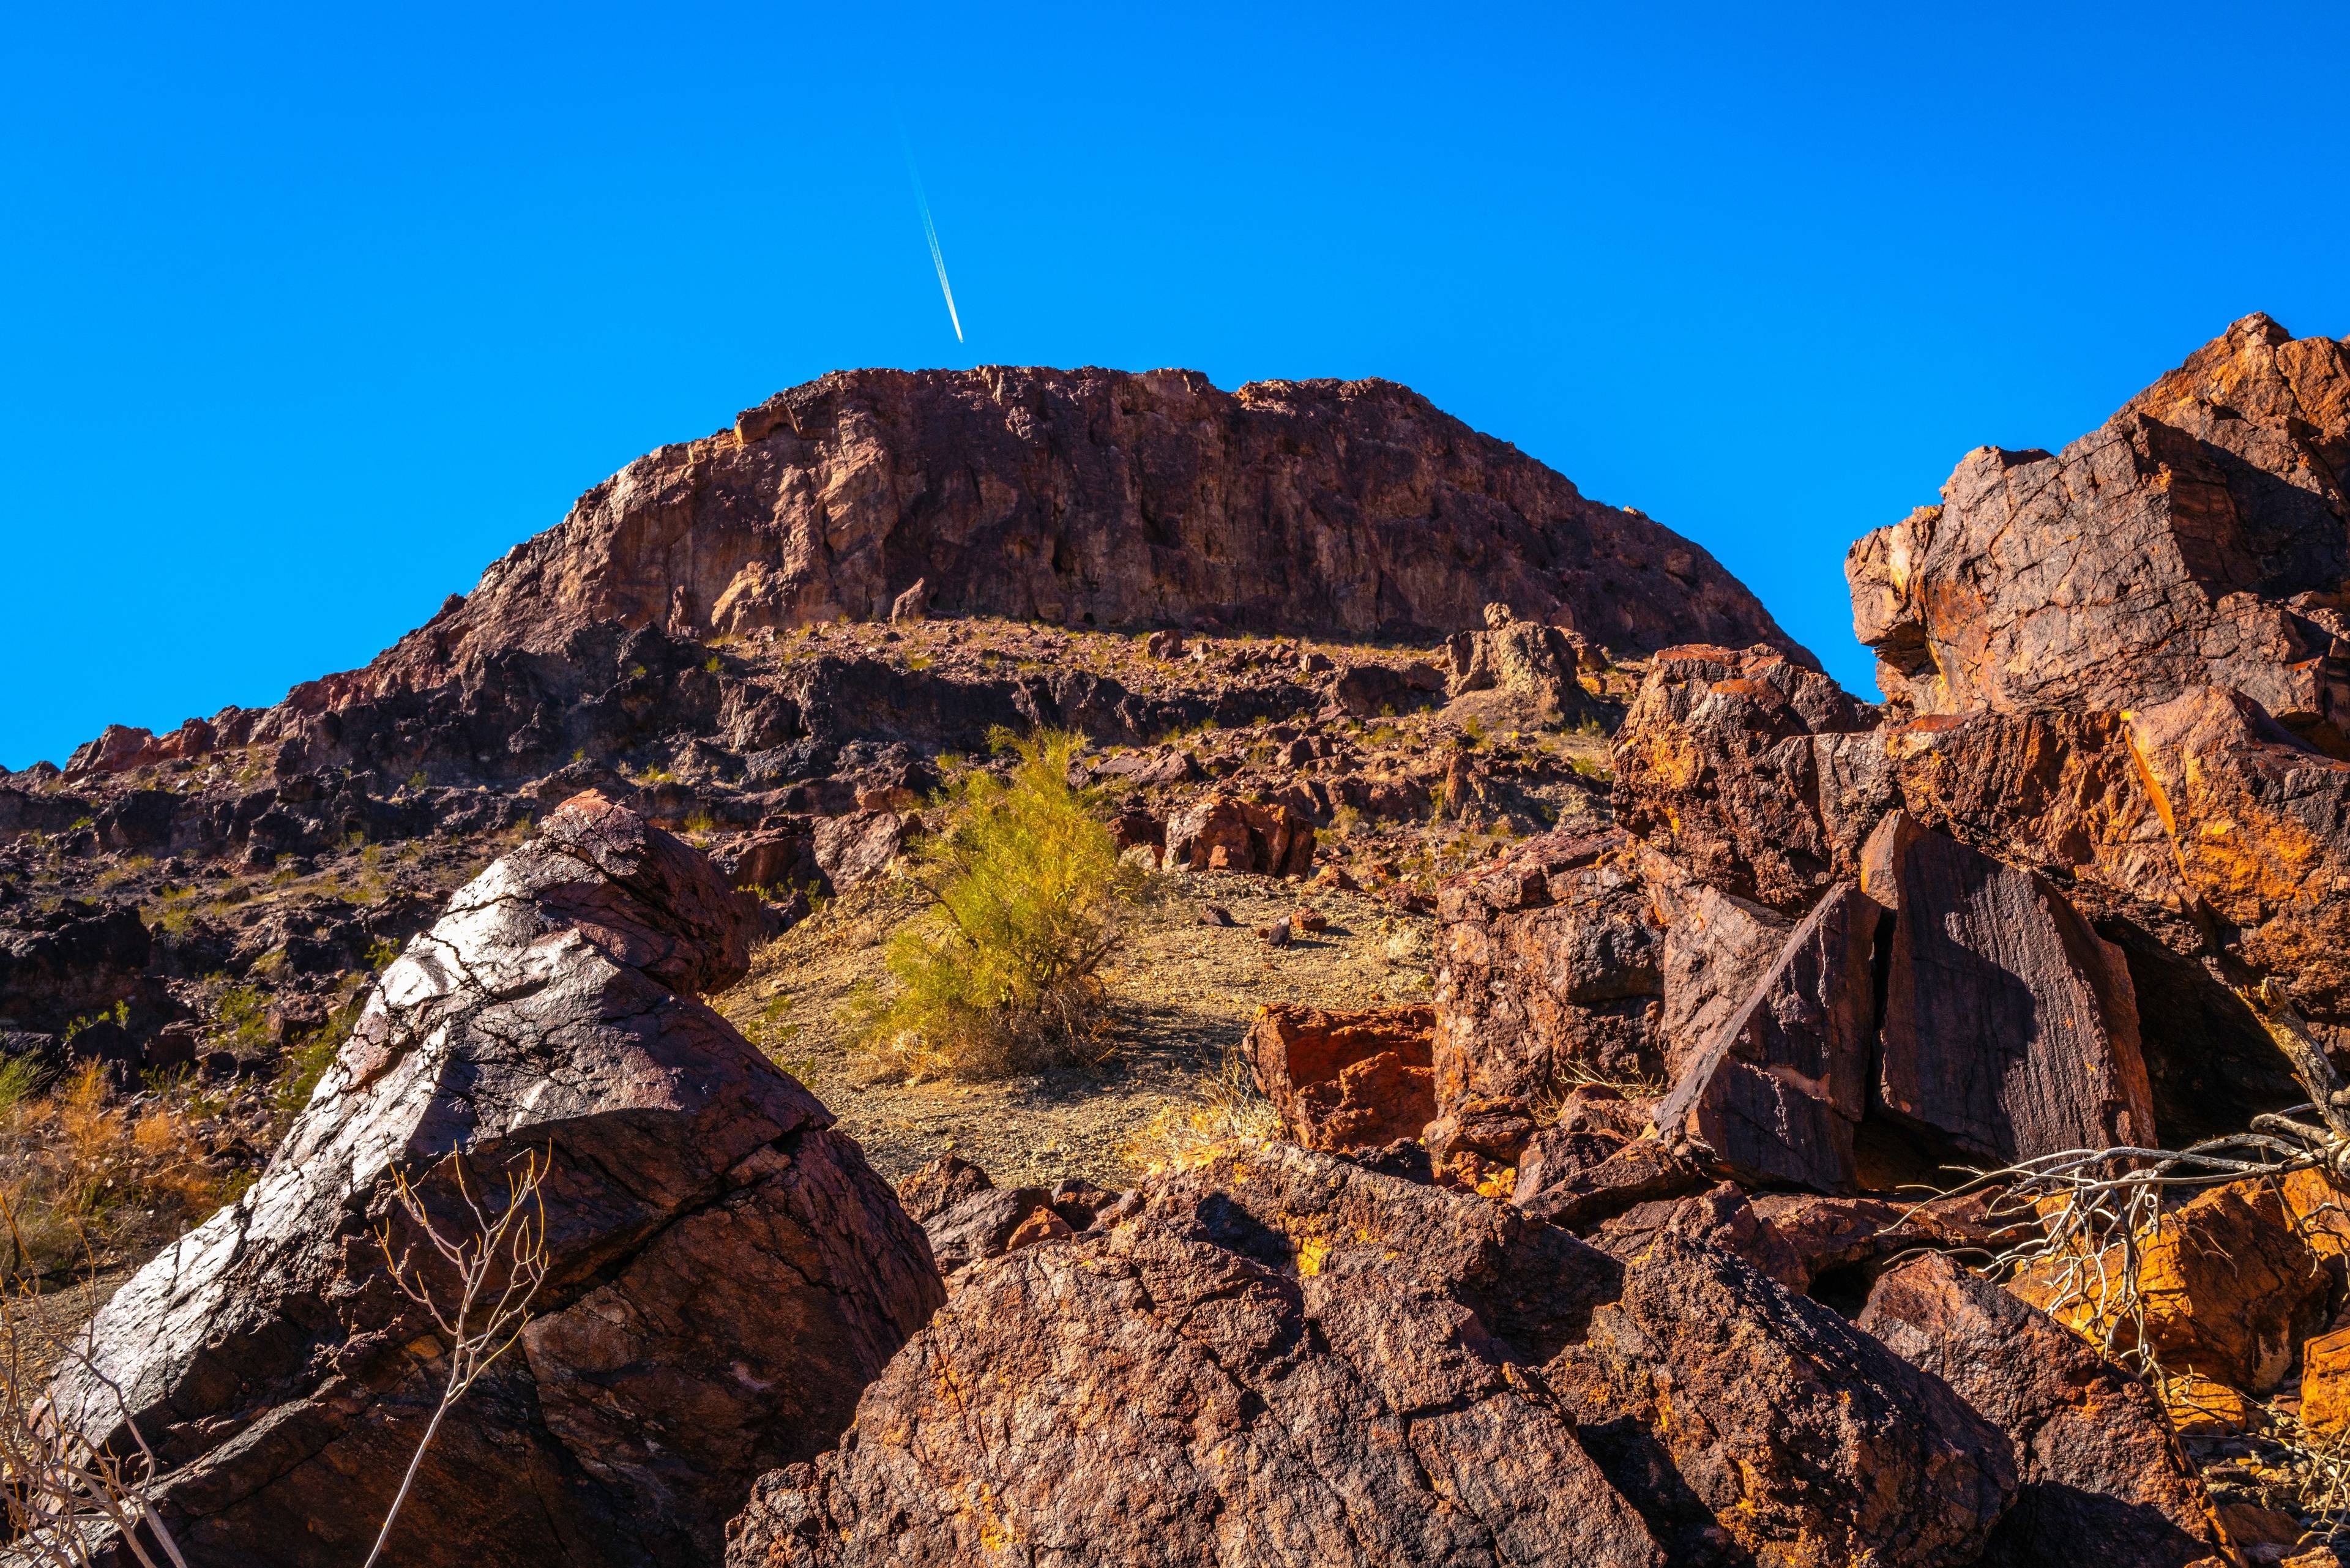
1284 1358
726 1274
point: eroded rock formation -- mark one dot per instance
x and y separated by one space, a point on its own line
2197 538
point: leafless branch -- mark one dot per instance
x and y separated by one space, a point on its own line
491 1270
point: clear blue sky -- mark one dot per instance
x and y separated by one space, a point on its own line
314 311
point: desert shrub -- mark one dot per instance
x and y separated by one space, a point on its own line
1002 973
82 1175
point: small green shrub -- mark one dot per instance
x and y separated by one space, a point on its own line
1003 975
243 1014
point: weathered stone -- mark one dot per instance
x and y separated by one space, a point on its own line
982 1225
1494 1132
1547 963
2325 1383
2195 539
2010 1026
2262 829
945 1182
1575 1180
1288 1361
725 1274
1777 1093
1221 832
2102 1479
1758 775
1381 690
858 847
2228 1286
1526 662
1716 948
1804 1439
1285 1359
1344 1080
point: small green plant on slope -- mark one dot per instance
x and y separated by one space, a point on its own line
1002 974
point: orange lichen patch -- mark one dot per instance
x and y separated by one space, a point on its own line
2325 1383
2204 1406
2227 1285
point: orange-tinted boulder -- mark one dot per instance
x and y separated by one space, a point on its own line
2228 1286
1221 832
2325 1382
2195 539
1346 1080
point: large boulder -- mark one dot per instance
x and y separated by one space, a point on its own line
1529 666
724 1273
1754 773
1221 832
2010 1026
1547 970
1284 1358
2228 1284
2195 539
2103 1480
1778 1093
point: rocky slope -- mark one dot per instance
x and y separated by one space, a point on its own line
1607 1246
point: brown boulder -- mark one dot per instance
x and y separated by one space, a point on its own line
1805 1440
2195 539
1753 773
1526 662
1344 1080
1775 1097
1578 1180
2010 1026
990 1223
1477 1134
856 848
1546 970
2102 1477
1716 947
1221 832
945 1182
1286 1359
725 1272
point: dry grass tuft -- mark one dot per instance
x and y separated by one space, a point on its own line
85 1177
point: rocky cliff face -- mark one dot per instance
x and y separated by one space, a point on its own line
1089 498
2201 536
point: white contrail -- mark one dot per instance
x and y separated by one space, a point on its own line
930 233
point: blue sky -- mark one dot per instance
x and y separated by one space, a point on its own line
313 312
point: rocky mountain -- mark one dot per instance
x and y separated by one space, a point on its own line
1354 511
1633 1226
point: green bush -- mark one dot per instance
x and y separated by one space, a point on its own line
1002 974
